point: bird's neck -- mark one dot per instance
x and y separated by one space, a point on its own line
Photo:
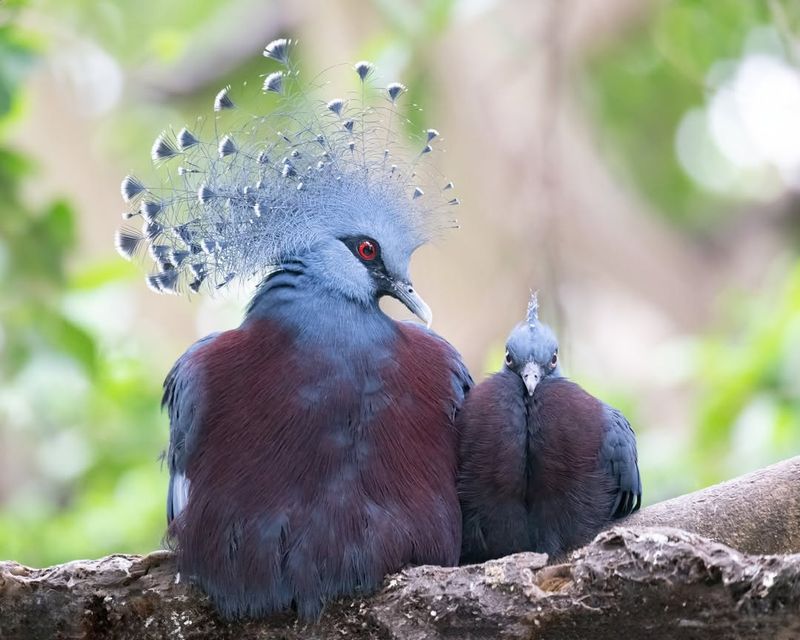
293 297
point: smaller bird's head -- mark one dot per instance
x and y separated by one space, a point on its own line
532 349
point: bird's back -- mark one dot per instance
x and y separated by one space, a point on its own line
569 493
315 471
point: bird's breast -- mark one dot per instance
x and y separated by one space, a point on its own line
355 441
564 432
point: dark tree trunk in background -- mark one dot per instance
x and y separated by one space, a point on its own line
634 581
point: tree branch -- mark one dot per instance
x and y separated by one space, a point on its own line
754 513
661 581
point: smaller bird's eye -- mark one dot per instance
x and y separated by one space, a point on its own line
368 250
554 361
508 358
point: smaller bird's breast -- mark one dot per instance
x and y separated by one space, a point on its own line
565 433
492 469
569 493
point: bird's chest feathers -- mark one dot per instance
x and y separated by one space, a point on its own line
356 386
272 387
562 435
312 426
535 437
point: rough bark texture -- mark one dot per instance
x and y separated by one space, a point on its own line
631 582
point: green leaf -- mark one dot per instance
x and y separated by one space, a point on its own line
68 338
59 222
16 59
103 273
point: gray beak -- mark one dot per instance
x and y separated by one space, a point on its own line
531 374
406 294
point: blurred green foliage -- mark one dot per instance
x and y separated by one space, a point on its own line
641 86
85 409
83 400
751 369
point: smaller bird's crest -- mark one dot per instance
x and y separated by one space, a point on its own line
532 315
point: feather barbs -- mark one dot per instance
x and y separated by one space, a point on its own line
254 190
532 312
278 50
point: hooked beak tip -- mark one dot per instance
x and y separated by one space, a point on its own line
406 294
426 315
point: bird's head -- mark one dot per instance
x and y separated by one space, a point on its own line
532 349
367 251
328 184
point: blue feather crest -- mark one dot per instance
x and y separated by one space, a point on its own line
532 314
252 191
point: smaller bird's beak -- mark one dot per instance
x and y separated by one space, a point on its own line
531 375
405 293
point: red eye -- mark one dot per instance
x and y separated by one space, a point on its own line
368 250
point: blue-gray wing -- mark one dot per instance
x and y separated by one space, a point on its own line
462 381
461 378
618 456
182 399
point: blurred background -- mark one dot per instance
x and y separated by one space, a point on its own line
636 161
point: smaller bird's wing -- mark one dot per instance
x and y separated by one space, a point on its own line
181 399
618 456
